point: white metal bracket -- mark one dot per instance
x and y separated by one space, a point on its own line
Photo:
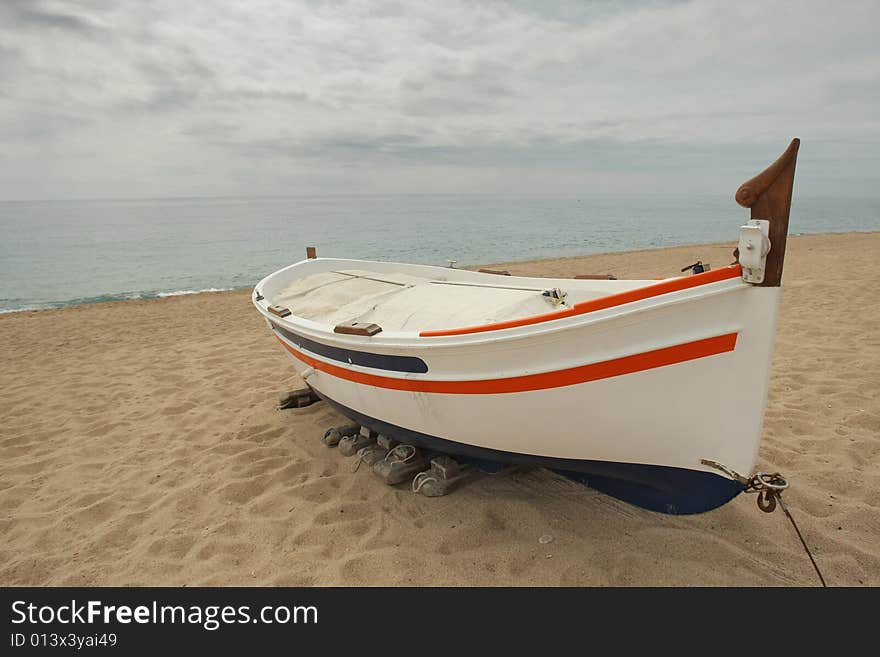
754 245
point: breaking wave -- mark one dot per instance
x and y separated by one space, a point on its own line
21 305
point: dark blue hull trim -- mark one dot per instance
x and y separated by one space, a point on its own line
658 488
353 357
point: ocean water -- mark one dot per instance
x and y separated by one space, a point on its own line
70 252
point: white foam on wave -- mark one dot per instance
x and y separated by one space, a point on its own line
18 310
182 292
124 296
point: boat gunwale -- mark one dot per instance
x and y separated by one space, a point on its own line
535 325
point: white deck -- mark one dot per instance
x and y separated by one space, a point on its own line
400 301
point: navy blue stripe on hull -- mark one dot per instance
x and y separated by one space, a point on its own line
660 488
353 357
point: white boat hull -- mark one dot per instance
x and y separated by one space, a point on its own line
634 396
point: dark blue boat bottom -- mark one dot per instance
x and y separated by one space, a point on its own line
659 488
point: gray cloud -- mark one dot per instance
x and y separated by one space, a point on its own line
44 18
101 98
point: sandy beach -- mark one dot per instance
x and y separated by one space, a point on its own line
140 444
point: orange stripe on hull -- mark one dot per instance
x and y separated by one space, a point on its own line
567 377
591 305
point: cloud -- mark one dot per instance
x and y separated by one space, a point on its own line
46 18
102 98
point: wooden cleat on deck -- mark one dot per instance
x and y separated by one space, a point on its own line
334 434
445 475
401 464
349 445
298 398
595 277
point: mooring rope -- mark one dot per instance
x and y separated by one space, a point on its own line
769 488
421 479
800 536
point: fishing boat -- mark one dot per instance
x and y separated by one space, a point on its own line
649 390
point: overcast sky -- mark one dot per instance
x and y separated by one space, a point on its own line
115 98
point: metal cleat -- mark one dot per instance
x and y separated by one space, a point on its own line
400 464
349 445
754 246
334 434
445 475
298 398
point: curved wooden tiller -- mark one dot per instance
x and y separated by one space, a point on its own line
769 196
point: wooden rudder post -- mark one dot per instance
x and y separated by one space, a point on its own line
769 196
